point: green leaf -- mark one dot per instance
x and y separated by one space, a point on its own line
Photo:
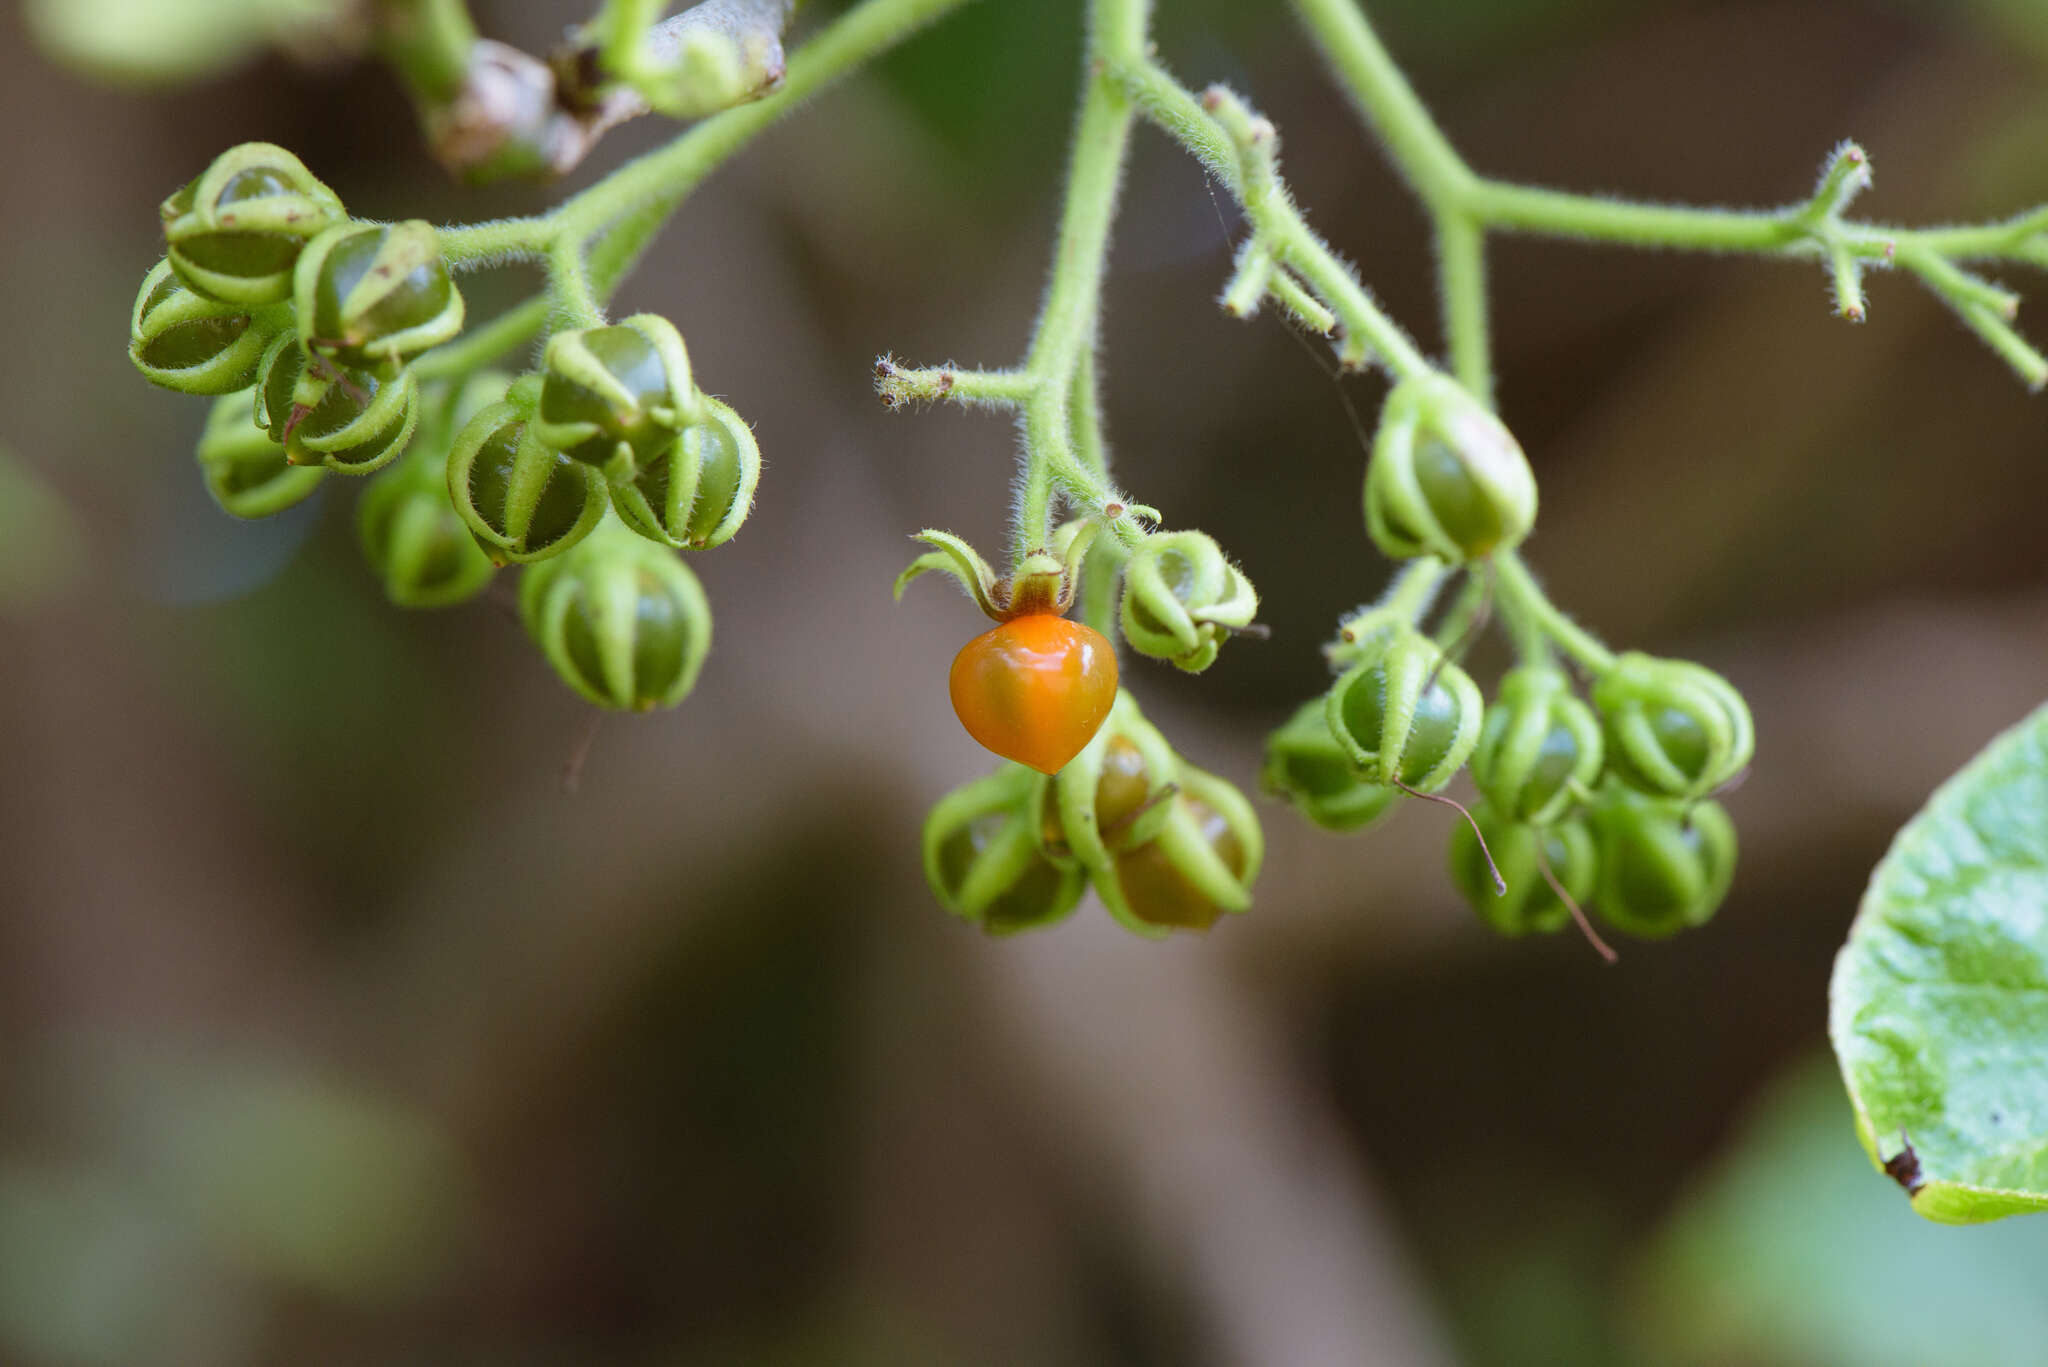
1782 1253
1939 1006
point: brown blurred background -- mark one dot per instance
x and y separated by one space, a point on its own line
333 1031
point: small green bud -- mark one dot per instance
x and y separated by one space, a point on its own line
410 533
245 471
1110 797
1404 713
187 342
369 295
696 491
1200 865
1180 596
1664 865
1305 765
1446 478
622 620
711 67
349 421
523 501
1530 903
1539 746
616 394
1674 729
983 864
236 232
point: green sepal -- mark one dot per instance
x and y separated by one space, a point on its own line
1539 748
1110 797
1404 713
695 492
618 393
1307 767
1199 867
1530 904
1046 580
955 557
1673 728
1180 596
349 421
369 295
1664 866
522 501
411 536
245 471
184 341
1446 478
983 863
236 233
623 621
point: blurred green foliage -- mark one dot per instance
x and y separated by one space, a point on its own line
42 549
1786 1253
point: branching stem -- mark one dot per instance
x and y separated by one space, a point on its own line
1465 206
591 242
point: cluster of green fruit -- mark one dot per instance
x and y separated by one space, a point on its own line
1606 802
314 332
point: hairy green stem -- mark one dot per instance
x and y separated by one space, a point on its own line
1523 601
1066 327
428 42
1415 587
1221 132
622 213
611 260
1465 206
576 303
645 192
1461 272
668 174
1464 610
474 246
1386 100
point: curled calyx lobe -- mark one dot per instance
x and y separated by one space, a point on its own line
1446 478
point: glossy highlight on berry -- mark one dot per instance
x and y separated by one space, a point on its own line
1035 689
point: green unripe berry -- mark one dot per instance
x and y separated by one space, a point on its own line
369 295
1306 766
350 422
1109 797
1530 904
235 233
623 621
410 533
245 471
1199 866
983 863
1446 478
1673 728
187 342
1403 713
1180 597
615 396
696 491
522 501
1539 747
413 540
1664 866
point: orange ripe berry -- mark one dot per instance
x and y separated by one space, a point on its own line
1035 689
